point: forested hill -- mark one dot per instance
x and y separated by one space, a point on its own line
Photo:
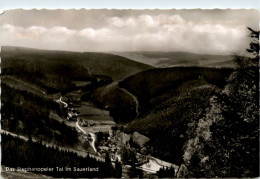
88 63
171 101
151 83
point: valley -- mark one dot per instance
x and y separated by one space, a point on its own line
95 109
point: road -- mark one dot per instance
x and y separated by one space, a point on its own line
135 99
79 152
93 136
65 104
77 125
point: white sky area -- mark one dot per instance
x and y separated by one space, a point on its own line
159 32
126 4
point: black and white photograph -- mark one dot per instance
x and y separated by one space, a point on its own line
142 90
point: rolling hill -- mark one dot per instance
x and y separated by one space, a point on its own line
60 69
171 59
151 83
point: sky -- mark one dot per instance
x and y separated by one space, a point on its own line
196 31
126 4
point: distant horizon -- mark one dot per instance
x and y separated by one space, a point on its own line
113 51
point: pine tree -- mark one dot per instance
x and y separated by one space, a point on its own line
118 169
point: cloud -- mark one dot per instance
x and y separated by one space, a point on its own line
133 33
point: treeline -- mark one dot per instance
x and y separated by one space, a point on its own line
151 83
28 114
20 153
166 172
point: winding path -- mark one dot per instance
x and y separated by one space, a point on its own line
77 125
65 104
92 136
135 99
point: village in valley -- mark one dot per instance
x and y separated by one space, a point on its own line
107 138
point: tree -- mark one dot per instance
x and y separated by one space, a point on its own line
235 138
134 172
166 172
107 158
99 138
118 169
128 156
233 124
245 62
254 45
30 140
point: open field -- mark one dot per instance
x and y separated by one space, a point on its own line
98 117
97 128
87 109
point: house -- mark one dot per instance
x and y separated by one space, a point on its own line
140 139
